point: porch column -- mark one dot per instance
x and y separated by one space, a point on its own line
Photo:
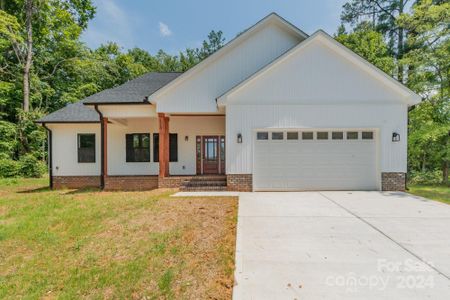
163 145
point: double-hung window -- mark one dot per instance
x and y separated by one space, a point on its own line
138 147
86 148
173 147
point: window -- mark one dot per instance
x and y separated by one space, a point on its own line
86 148
292 135
337 135
352 135
307 136
138 147
277 135
173 147
367 135
262 135
322 135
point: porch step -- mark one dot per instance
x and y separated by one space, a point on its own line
205 183
203 188
207 178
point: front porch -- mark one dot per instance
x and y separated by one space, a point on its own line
139 152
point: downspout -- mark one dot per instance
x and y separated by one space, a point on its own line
102 148
50 155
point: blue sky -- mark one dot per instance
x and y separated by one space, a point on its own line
173 25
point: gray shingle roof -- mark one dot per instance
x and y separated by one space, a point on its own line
133 91
72 113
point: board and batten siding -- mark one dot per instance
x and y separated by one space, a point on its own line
246 119
65 150
197 93
65 155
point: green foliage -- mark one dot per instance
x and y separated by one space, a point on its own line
428 177
64 70
30 166
368 43
8 141
420 52
9 168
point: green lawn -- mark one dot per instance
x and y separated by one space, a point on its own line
435 192
92 244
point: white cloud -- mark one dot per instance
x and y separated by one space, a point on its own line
164 29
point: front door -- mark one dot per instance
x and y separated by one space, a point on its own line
210 155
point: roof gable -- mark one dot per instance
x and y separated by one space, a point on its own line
320 70
272 18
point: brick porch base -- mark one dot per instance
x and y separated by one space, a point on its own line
393 181
240 182
131 183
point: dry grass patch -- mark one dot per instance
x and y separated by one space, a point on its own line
95 244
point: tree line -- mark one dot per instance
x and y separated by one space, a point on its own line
44 66
409 40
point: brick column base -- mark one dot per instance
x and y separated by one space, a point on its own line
75 182
131 183
393 181
240 182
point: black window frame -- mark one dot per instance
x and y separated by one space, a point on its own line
130 157
173 147
79 135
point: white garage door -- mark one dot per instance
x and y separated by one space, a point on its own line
315 160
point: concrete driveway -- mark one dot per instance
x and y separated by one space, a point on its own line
342 245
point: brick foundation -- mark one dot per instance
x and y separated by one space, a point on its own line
131 183
172 182
75 182
239 182
393 181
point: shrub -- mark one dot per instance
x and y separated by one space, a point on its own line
427 177
30 166
9 168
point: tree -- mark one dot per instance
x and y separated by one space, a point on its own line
382 15
39 23
215 42
430 59
368 43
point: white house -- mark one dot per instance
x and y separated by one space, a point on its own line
274 109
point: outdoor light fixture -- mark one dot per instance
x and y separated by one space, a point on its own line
239 138
395 137
186 138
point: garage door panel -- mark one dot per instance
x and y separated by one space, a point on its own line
315 165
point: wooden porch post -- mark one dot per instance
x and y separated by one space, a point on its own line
163 145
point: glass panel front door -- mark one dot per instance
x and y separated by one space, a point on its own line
210 155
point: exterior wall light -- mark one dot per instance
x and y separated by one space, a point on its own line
395 137
186 138
239 138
